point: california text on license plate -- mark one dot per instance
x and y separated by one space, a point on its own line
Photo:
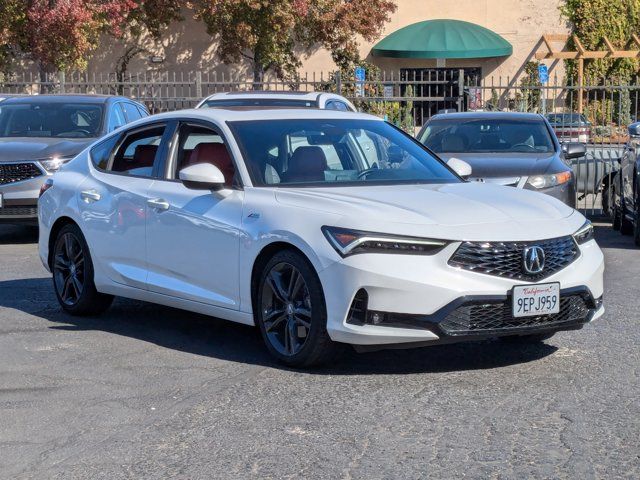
534 300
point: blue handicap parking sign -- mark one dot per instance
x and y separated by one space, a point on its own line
543 73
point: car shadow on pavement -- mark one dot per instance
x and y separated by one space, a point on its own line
201 335
607 237
18 234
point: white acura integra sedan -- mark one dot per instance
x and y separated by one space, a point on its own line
322 228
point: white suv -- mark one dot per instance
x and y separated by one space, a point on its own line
269 99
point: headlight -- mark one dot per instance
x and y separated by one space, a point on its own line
349 242
584 234
54 164
547 181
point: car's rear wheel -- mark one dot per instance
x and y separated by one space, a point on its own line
73 274
532 338
291 313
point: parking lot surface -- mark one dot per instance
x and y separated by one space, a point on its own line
153 392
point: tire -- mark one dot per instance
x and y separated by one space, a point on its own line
73 275
616 219
606 202
626 227
636 227
533 338
290 310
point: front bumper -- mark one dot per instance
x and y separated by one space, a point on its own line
420 292
20 200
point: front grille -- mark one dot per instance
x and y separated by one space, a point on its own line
16 172
496 316
31 211
504 259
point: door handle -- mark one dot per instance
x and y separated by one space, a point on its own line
90 196
158 204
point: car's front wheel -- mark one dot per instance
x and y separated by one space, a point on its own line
291 313
73 274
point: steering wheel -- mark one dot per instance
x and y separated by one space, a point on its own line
533 149
83 131
363 174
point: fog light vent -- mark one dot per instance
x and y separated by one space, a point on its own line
358 311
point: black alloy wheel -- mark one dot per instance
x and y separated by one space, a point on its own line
72 270
68 269
291 313
286 309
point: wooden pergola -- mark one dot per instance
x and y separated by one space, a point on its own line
581 53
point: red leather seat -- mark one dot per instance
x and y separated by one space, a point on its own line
214 153
307 164
143 156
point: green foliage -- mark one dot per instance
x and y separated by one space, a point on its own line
274 34
398 113
624 111
530 93
599 112
494 102
591 21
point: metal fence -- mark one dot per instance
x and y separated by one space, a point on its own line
407 97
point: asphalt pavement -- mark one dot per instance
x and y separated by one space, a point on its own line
152 392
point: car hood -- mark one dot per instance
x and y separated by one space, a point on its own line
488 165
27 148
465 211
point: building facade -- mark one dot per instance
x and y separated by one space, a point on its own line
187 47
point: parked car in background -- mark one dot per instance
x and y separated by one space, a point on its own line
570 127
289 221
626 188
40 133
513 149
274 99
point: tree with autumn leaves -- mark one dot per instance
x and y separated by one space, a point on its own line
62 34
271 34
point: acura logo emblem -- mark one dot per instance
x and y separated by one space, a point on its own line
533 259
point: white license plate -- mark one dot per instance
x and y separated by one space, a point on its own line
534 300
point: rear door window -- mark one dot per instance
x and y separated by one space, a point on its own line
138 152
131 111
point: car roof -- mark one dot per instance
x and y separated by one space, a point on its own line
65 98
487 115
235 115
313 96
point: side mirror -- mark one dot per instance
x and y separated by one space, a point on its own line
461 167
634 129
574 150
202 176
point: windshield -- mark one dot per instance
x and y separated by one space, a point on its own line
259 102
487 136
68 120
335 152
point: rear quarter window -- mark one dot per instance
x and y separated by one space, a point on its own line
101 153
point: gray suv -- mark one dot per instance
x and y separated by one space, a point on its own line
40 133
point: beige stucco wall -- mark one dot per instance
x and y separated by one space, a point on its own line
187 47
